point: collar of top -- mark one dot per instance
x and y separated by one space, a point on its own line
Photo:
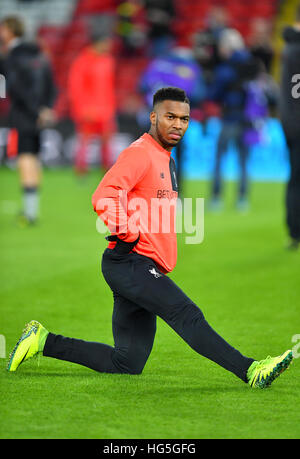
150 139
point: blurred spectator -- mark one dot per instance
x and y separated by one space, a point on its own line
91 89
4 101
160 14
178 68
270 89
32 94
242 105
205 42
290 116
260 43
131 28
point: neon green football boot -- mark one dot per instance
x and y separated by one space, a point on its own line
262 373
32 342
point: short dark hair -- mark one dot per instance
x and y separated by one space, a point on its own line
15 24
170 93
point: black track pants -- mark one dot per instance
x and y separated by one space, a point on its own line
293 188
141 292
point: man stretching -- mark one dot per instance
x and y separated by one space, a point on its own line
137 260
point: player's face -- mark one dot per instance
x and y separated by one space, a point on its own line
169 121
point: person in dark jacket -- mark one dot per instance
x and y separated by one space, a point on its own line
31 90
228 89
290 118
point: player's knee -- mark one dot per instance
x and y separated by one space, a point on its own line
130 365
136 366
135 370
187 314
197 314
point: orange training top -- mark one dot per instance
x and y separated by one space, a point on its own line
137 197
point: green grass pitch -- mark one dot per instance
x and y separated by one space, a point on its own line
243 279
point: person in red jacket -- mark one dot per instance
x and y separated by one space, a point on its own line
136 263
91 90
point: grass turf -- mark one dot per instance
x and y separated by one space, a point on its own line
240 276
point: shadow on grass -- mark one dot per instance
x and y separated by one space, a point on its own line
143 384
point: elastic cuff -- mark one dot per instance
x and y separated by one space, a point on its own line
48 344
129 238
122 247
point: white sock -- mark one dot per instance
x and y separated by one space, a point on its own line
31 202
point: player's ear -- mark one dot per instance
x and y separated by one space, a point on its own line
153 116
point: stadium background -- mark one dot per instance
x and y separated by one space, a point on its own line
62 26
